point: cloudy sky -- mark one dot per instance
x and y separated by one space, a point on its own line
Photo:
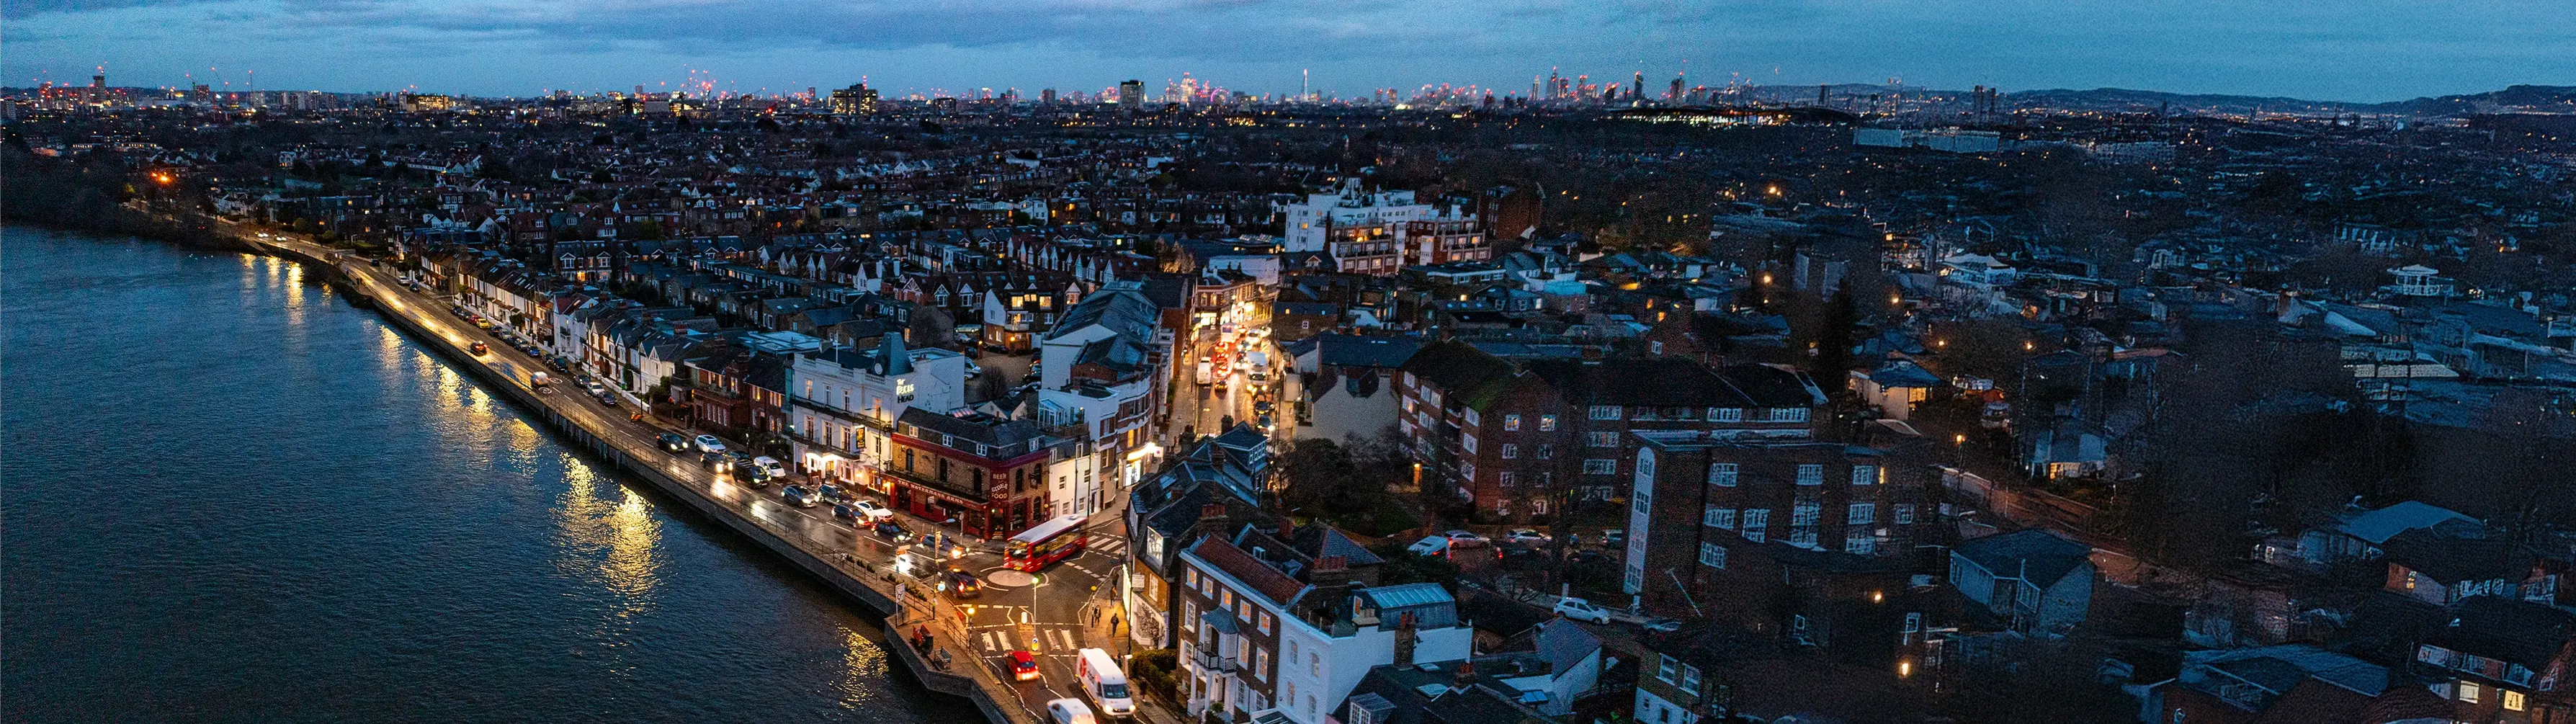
2356 50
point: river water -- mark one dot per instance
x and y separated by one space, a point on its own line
227 495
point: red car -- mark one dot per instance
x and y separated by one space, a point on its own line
1024 666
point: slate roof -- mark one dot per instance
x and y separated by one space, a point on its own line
2452 559
1348 350
2047 556
1455 367
1768 386
2509 630
1637 381
2378 526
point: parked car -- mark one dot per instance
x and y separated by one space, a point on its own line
798 496
1429 546
1464 539
770 465
1582 610
872 510
709 443
1614 537
1661 625
674 442
891 531
974 370
1526 536
1024 666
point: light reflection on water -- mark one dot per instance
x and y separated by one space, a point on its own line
283 510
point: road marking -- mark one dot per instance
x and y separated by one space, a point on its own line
988 637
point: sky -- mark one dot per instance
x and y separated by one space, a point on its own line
2343 50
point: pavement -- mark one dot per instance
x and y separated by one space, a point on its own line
1050 612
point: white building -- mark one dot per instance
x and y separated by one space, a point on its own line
1255 639
1101 380
1308 222
843 402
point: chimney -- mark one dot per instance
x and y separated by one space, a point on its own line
1404 639
1464 676
1213 519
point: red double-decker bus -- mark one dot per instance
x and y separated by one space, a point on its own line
1042 546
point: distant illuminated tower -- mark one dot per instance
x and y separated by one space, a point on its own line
1131 94
1637 90
1047 96
1675 93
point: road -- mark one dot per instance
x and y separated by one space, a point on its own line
1203 409
1048 613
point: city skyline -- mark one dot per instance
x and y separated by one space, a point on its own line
2360 52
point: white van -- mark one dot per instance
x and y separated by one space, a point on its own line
1106 684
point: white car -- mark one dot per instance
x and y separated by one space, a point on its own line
770 465
1582 610
1526 536
974 370
872 510
1464 539
1429 546
709 443
1069 711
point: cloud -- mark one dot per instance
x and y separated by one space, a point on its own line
2357 49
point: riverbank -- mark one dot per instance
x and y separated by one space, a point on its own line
235 496
838 558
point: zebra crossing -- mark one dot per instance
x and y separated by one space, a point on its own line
1058 640
1111 546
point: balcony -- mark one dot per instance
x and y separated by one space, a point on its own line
1207 661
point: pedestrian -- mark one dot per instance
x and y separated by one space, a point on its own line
1113 622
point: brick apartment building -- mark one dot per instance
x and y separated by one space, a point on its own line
1814 540
1516 438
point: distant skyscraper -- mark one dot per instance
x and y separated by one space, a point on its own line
1047 96
856 100
1638 90
1675 94
1131 94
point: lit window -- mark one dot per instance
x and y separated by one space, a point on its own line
1511 423
1722 475
1605 412
1546 423
1600 466
1811 475
2513 700
1864 475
